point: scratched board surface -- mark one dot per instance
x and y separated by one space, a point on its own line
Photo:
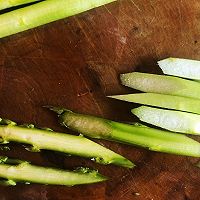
75 63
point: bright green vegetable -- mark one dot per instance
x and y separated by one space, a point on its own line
61 142
163 101
44 12
13 171
161 84
153 139
181 67
176 121
11 3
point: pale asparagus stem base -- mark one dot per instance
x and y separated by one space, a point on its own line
44 12
176 121
153 139
61 142
185 68
11 3
162 101
161 84
26 172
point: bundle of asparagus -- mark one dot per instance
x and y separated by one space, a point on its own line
178 95
162 94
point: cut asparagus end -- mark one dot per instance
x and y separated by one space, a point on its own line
61 142
153 139
42 13
8 4
162 101
161 84
181 67
176 121
25 172
123 162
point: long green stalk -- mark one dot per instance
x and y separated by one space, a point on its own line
11 3
44 12
185 68
161 84
176 121
61 142
153 139
25 172
162 101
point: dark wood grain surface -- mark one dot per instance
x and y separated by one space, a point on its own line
75 63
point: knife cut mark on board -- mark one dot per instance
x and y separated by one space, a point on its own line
87 37
135 5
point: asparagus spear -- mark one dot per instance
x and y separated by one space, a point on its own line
153 139
11 3
161 84
176 121
13 171
61 142
163 101
44 12
181 67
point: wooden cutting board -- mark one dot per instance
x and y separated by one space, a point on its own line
75 63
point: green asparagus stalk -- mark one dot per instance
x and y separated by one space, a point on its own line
61 142
11 3
44 12
12 172
162 101
181 67
176 121
161 84
153 139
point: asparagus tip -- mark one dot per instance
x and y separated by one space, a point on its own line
124 162
95 173
102 178
129 164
